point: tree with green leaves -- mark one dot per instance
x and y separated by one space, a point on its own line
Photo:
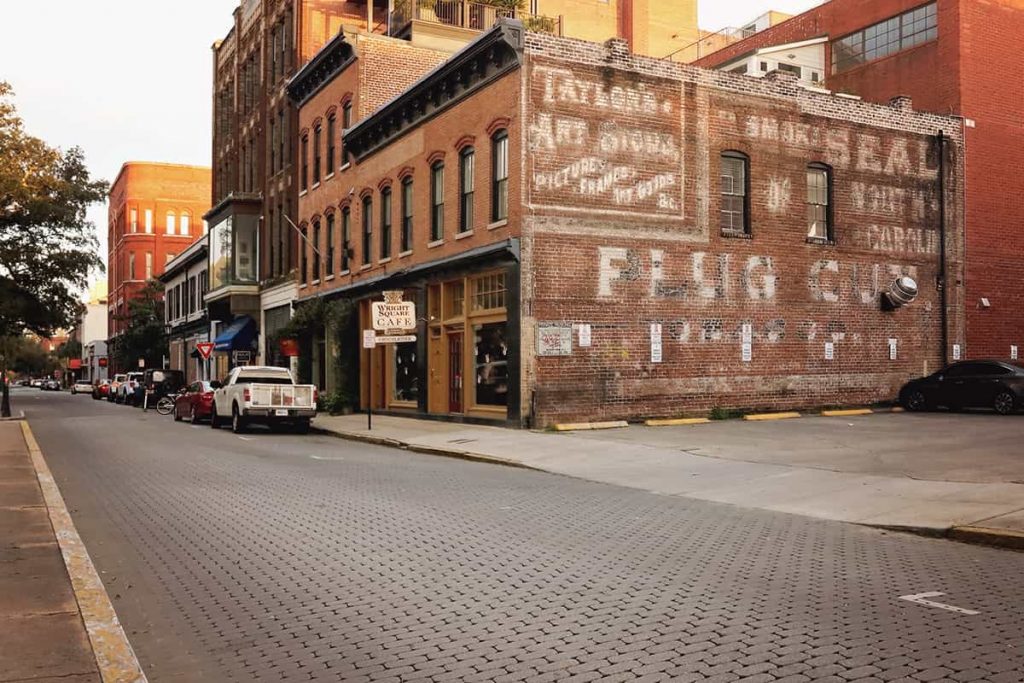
144 337
48 247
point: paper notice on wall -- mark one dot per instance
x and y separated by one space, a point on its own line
748 333
554 340
892 349
830 351
747 352
583 330
369 339
956 352
1013 353
655 342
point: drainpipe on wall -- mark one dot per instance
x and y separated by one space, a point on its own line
943 296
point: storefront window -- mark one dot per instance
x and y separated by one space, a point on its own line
491 364
455 296
405 385
245 251
489 292
220 254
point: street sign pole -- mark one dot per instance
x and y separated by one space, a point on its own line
369 405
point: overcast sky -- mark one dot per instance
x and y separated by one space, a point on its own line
131 79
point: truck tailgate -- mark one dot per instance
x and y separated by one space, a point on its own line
280 396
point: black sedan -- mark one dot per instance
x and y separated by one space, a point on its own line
969 384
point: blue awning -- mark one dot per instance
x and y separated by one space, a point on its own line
237 336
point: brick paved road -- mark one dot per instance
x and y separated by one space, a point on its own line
284 558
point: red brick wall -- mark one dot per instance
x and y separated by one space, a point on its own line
465 123
622 232
993 95
974 69
160 188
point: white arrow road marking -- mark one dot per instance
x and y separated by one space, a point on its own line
922 599
327 457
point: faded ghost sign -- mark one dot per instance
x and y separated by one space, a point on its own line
603 141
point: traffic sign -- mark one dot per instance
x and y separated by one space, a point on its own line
205 349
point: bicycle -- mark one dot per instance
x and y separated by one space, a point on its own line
165 406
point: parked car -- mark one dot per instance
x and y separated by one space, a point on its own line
196 402
37 383
50 385
115 385
24 383
968 384
266 395
81 387
160 383
100 389
129 389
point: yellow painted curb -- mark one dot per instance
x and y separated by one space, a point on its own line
578 426
848 412
677 422
762 417
114 655
897 409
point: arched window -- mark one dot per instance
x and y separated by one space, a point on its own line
819 202
499 176
734 183
385 223
467 165
329 246
317 249
317 147
170 222
367 229
346 237
304 151
186 223
407 214
437 201
331 128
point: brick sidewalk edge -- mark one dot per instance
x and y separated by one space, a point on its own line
114 655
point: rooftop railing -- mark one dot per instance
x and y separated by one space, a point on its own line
477 16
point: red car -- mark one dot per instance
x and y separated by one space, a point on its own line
196 402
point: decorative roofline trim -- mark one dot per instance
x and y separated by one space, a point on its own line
332 59
492 55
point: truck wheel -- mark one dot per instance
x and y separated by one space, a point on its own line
214 418
237 421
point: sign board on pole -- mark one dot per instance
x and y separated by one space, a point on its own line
369 339
242 357
956 352
204 349
396 339
142 362
393 315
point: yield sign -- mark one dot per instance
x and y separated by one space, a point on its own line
204 349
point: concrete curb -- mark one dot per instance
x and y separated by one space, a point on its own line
13 418
114 655
426 450
847 412
1003 538
580 426
677 422
764 417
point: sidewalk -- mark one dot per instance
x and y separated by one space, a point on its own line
42 636
990 512
57 623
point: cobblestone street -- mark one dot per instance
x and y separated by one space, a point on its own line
278 558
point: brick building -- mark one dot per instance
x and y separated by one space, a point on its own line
591 233
958 57
155 212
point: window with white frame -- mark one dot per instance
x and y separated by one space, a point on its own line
170 222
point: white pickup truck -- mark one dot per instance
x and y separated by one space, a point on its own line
265 395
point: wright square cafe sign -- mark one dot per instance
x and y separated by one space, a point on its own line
393 319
